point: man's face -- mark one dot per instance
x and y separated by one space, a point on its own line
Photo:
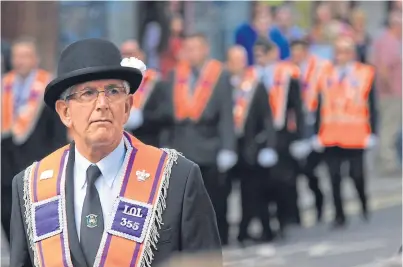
259 55
195 50
298 54
344 52
96 121
237 61
130 49
24 58
262 24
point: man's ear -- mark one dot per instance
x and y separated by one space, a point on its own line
63 110
129 103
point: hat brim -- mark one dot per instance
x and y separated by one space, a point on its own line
56 87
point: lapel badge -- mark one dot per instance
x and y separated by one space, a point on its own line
92 220
142 175
46 175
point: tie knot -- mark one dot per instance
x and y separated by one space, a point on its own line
93 172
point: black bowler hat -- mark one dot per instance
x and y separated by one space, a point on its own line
90 60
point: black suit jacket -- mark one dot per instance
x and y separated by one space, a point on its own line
189 218
258 132
156 115
200 141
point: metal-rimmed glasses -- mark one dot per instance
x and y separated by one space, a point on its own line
89 94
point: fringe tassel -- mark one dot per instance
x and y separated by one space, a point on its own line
28 214
153 236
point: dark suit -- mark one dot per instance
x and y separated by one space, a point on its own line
200 141
258 134
284 173
189 219
156 116
48 134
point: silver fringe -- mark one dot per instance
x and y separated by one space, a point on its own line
28 215
152 236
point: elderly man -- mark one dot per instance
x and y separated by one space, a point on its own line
106 199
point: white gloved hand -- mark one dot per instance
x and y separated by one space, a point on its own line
300 149
316 144
371 141
135 119
267 157
226 159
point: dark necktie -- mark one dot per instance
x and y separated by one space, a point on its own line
92 221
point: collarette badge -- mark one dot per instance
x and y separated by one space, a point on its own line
142 175
92 220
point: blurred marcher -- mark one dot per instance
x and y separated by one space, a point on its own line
148 117
280 79
346 122
256 140
260 27
132 203
311 69
325 30
204 126
358 21
171 55
285 24
399 147
29 129
387 57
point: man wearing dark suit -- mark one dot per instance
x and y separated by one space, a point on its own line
107 199
148 118
203 127
280 79
256 141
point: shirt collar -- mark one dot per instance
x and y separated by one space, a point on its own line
108 165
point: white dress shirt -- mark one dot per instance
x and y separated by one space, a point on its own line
108 184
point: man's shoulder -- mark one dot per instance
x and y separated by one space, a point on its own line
181 166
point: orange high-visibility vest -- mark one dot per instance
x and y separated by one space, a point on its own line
344 108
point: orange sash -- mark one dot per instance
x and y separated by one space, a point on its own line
311 81
278 93
192 106
21 126
146 88
344 110
244 95
132 230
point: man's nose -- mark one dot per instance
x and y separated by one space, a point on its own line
102 101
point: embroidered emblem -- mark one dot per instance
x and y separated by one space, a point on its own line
46 175
142 175
131 219
92 220
47 220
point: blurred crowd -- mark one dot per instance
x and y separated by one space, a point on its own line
271 36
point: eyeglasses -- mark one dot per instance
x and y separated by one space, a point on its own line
89 94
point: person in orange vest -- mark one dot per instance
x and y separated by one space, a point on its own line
204 126
346 122
29 130
312 69
280 79
148 118
256 140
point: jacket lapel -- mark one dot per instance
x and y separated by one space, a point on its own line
74 244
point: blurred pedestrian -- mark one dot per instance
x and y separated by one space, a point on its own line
148 117
280 79
346 123
256 141
387 57
358 21
171 55
29 129
204 125
311 69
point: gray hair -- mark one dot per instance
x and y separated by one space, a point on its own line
70 90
